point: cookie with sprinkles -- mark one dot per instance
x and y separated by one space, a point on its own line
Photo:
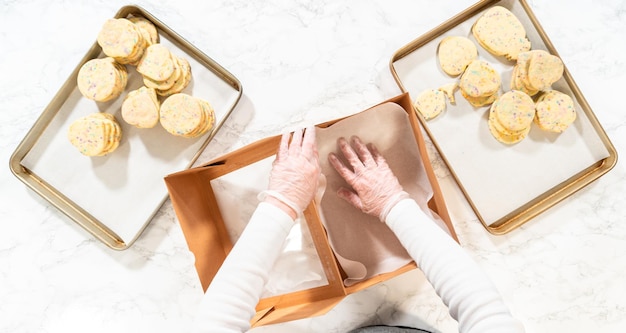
183 80
543 69
141 108
455 53
501 33
157 63
503 135
147 29
102 79
96 134
480 83
514 110
430 103
449 89
555 111
122 40
186 116
480 79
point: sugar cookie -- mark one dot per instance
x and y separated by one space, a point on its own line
186 116
102 79
147 29
501 33
555 111
455 53
448 90
480 79
480 83
430 103
96 134
157 63
121 39
543 69
141 108
515 110
182 82
503 135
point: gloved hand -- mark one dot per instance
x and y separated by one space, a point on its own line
376 188
295 171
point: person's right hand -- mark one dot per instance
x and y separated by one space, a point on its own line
295 171
376 188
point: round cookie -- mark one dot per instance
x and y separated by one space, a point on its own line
505 137
182 82
102 79
121 39
515 110
184 115
430 103
209 121
501 33
518 81
544 69
141 108
480 79
455 53
96 134
157 63
147 28
555 111
170 81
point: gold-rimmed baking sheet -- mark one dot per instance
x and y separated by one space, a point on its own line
506 185
114 197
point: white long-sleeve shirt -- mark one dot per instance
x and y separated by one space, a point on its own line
230 300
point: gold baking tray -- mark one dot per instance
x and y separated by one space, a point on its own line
114 197
506 186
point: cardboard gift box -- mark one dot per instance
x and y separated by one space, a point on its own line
203 226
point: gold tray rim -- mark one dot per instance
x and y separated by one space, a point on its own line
76 213
553 196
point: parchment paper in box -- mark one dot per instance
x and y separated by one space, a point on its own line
499 178
124 189
236 195
365 246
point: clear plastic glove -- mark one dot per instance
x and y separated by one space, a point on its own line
295 171
376 188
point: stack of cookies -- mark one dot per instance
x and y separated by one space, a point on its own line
122 40
501 33
141 108
535 71
554 111
186 116
480 83
147 29
163 71
511 116
96 134
102 79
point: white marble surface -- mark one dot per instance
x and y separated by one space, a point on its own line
302 62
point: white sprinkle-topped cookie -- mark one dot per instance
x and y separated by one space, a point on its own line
555 111
455 53
501 33
430 103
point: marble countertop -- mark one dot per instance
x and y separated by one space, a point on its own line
302 62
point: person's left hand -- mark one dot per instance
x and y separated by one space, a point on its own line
295 172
